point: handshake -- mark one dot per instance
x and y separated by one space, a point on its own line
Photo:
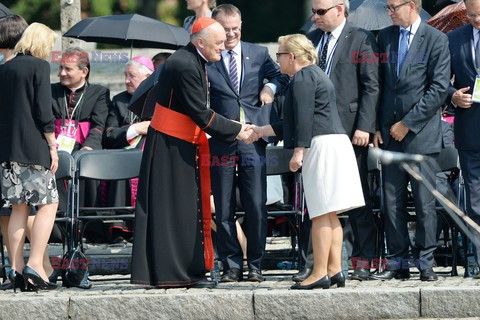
250 133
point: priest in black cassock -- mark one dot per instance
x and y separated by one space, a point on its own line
172 243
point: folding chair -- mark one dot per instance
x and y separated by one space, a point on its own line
277 163
447 161
64 218
376 189
106 165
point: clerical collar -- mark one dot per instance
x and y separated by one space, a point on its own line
201 55
77 89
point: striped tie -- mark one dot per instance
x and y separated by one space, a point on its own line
232 68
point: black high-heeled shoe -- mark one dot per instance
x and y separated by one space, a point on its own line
17 281
322 283
338 279
37 281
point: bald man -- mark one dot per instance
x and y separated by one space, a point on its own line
172 245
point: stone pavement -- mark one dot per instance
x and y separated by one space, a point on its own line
112 297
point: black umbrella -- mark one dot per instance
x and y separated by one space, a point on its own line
129 30
143 100
371 14
4 11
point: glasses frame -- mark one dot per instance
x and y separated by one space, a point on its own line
322 12
394 8
279 54
473 16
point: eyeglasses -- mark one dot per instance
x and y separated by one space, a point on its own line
232 30
473 16
394 8
322 12
278 54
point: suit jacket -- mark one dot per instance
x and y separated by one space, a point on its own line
94 109
25 110
414 97
355 80
184 89
466 131
256 67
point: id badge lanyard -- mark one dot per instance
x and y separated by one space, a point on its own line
70 128
66 139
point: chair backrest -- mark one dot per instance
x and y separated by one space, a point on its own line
66 166
115 164
448 159
372 161
278 160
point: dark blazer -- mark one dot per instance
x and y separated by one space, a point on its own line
309 109
256 67
357 100
94 109
415 97
118 121
184 89
25 110
467 121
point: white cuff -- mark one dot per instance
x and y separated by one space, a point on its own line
272 86
131 132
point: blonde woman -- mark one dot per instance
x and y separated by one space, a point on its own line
29 156
202 8
311 126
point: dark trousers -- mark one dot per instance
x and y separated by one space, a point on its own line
396 215
241 164
470 165
361 221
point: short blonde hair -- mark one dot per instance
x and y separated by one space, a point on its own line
37 40
300 46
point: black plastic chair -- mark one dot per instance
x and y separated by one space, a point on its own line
64 218
106 165
277 163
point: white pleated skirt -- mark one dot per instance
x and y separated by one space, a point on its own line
330 175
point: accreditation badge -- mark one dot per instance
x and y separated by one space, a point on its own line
65 143
476 90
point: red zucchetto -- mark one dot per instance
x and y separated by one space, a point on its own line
201 23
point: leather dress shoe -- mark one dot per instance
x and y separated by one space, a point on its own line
255 276
204 284
232 275
302 275
322 283
428 275
400 274
361 274
338 279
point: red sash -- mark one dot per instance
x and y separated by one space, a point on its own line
182 127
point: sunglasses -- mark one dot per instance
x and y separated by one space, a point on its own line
394 8
322 12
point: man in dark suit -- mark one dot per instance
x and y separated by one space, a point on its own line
357 93
237 92
416 76
465 55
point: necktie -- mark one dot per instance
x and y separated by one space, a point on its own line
323 54
402 49
232 68
477 52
